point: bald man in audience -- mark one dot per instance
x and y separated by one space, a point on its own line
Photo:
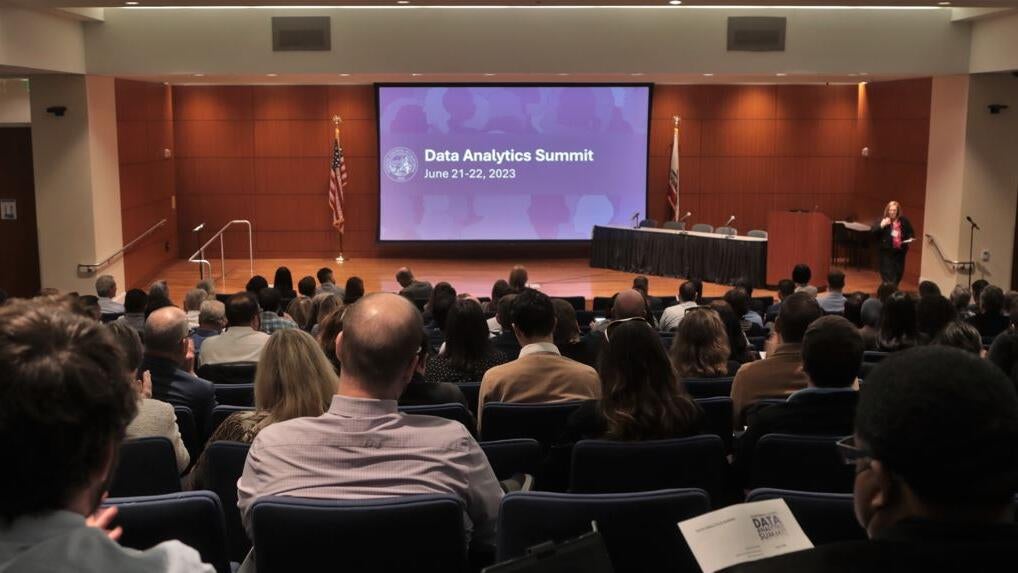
540 374
168 358
364 447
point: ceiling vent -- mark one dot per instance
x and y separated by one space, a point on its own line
301 34
756 34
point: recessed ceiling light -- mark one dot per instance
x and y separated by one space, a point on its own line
944 3
416 75
199 75
489 75
562 74
863 74
272 75
781 74
636 74
709 75
131 3
345 75
403 2
675 2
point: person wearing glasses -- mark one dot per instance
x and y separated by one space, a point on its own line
936 470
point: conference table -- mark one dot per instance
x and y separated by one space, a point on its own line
673 253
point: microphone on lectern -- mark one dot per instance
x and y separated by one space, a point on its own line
684 217
198 228
729 221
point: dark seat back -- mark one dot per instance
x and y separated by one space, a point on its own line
802 463
639 529
874 356
542 422
235 394
603 466
577 302
188 431
225 462
709 387
718 418
146 466
293 534
509 457
452 411
220 413
824 517
471 391
195 518
228 372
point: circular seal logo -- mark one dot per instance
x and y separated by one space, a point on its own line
400 164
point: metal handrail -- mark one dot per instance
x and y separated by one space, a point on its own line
222 250
950 262
90 269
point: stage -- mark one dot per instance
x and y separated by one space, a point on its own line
556 277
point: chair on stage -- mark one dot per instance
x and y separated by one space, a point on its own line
727 231
757 233
703 228
648 223
675 225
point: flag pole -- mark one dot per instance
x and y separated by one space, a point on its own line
675 143
336 120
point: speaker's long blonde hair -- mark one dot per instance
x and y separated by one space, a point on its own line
887 208
294 379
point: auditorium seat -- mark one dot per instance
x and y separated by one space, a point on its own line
471 391
601 304
648 223
235 394
865 368
188 432
726 231
452 411
195 518
228 372
639 529
510 457
718 418
577 302
225 465
703 228
757 233
874 356
146 466
800 462
709 387
583 319
221 412
421 533
824 517
542 422
675 225
606 466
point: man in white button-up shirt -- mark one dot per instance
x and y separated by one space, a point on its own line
242 341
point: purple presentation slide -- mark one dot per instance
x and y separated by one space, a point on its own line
510 163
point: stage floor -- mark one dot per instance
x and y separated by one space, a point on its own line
556 277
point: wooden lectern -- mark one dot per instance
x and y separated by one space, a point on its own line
797 237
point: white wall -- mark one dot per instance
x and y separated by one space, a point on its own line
520 40
14 104
41 41
995 43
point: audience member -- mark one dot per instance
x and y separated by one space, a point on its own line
567 334
192 306
898 323
168 359
960 298
255 284
518 278
641 398
363 447
322 305
242 341
299 310
990 319
468 352
741 351
785 289
928 288
780 374
641 284
306 287
283 282
154 417
831 356
700 348
327 283
156 301
541 373
960 335
327 333
853 308
922 514
673 315
1004 353
420 392
135 301
977 294
1010 305
834 301
64 411
443 296
89 305
933 313
211 322
4 297
208 286
750 322
871 314
106 288
698 285
506 342
801 276
410 287
293 380
354 290
159 289
498 290
269 300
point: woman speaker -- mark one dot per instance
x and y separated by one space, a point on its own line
895 234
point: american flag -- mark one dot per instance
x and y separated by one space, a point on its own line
673 174
337 182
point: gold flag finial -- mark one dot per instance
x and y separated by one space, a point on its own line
336 120
676 119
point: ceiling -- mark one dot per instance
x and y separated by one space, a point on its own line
529 3
636 77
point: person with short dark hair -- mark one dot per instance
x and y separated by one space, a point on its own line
65 404
977 294
991 320
785 289
641 284
159 289
831 356
327 283
135 301
920 513
363 447
468 352
801 275
673 315
961 335
567 334
928 288
306 287
853 308
283 282
506 341
156 301
751 322
168 358
518 278
780 373
933 313
898 323
271 320
498 290
255 284
960 298
354 290
410 287
833 302
541 373
242 341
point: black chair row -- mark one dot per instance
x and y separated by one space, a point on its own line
228 372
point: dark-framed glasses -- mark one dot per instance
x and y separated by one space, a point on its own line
851 452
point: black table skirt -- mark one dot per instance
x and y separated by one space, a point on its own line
716 260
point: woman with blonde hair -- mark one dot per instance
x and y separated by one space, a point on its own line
700 348
293 380
895 233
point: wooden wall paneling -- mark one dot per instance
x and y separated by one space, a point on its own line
352 102
197 103
291 102
739 138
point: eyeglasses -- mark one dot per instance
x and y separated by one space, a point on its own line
608 329
850 452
